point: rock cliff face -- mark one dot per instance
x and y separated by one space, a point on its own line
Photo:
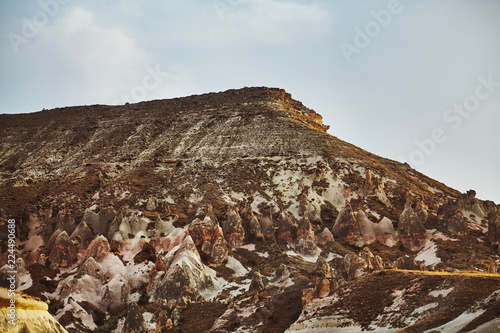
235 208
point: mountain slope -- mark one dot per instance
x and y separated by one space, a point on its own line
228 197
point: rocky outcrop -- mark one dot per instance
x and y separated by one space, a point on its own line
325 237
186 277
209 239
257 284
91 268
346 228
469 202
266 224
375 186
323 269
82 236
287 231
306 240
494 227
354 266
408 263
372 261
453 218
100 221
307 209
356 229
233 229
98 248
64 252
412 232
252 225
384 232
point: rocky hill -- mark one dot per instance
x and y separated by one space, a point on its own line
236 211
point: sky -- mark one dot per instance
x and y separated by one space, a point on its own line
413 81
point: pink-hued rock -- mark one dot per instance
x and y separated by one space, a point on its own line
98 248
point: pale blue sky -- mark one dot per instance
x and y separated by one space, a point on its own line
407 69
